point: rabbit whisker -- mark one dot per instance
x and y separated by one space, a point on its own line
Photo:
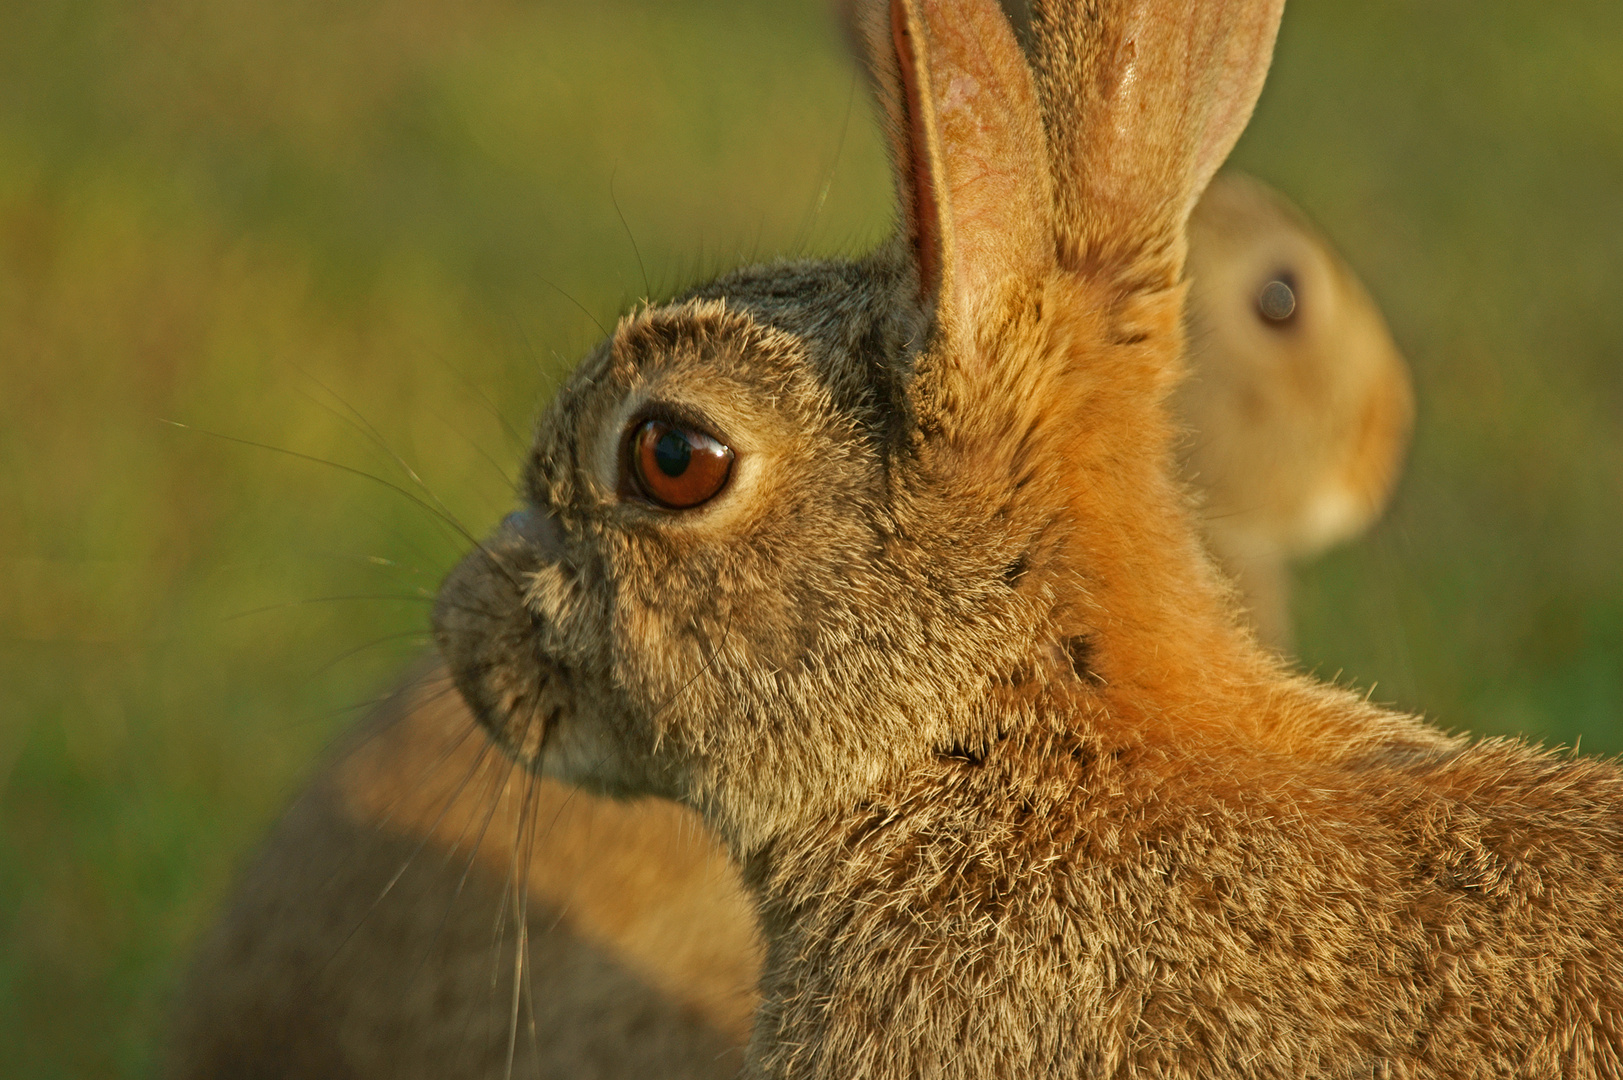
356 419
803 235
403 597
428 772
584 310
374 643
495 778
489 459
350 469
525 841
647 289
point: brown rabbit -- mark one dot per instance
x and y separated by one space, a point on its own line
881 567
1302 414
646 956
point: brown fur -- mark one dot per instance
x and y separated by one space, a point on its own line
645 945
946 669
1076 824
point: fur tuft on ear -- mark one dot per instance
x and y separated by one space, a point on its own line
1142 101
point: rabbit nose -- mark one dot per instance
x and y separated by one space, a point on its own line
536 529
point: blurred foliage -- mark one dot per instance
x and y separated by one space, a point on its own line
374 235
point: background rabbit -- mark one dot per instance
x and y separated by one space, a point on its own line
1302 414
882 569
644 951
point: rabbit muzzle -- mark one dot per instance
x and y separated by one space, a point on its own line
495 643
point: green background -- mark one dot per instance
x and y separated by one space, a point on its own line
356 231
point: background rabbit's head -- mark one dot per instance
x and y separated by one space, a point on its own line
1298 403
816 522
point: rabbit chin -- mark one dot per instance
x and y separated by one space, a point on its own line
600 754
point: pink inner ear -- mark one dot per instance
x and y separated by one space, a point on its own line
925 214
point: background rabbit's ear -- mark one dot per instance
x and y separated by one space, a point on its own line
1143 100
968 148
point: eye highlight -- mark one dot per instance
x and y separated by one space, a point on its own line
678 467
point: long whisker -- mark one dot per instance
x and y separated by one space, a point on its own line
399 873
350 469
523 850
473 387
550 378
368 430
803 236
492 796
516 887
419 633
484 828
374 731
441 515
583 308
488 458
647 290
402 597
524 917
394 804
394 567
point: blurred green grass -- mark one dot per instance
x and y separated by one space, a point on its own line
292 223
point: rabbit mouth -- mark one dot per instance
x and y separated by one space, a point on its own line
520 703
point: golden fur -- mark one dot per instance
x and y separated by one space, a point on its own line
947 671
631 905
949 675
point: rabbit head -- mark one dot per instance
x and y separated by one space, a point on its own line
1298 403
1304 422
816 522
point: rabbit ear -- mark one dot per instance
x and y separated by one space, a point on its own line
968 148
1143 99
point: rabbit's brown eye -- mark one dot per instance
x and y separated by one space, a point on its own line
1276 303
678 467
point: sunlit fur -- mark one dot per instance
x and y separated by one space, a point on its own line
950 675
365 941
952 678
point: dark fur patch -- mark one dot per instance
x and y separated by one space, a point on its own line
973 756
1079 650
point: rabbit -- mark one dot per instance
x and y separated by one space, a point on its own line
646 953
882 568
1303 418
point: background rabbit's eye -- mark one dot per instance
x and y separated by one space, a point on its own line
678 467
1276 303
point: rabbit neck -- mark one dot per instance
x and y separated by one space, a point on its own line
1070 404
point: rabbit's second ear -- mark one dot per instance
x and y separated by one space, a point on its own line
1143 100
969 151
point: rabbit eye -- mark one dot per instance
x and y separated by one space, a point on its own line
1276 303
678 467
